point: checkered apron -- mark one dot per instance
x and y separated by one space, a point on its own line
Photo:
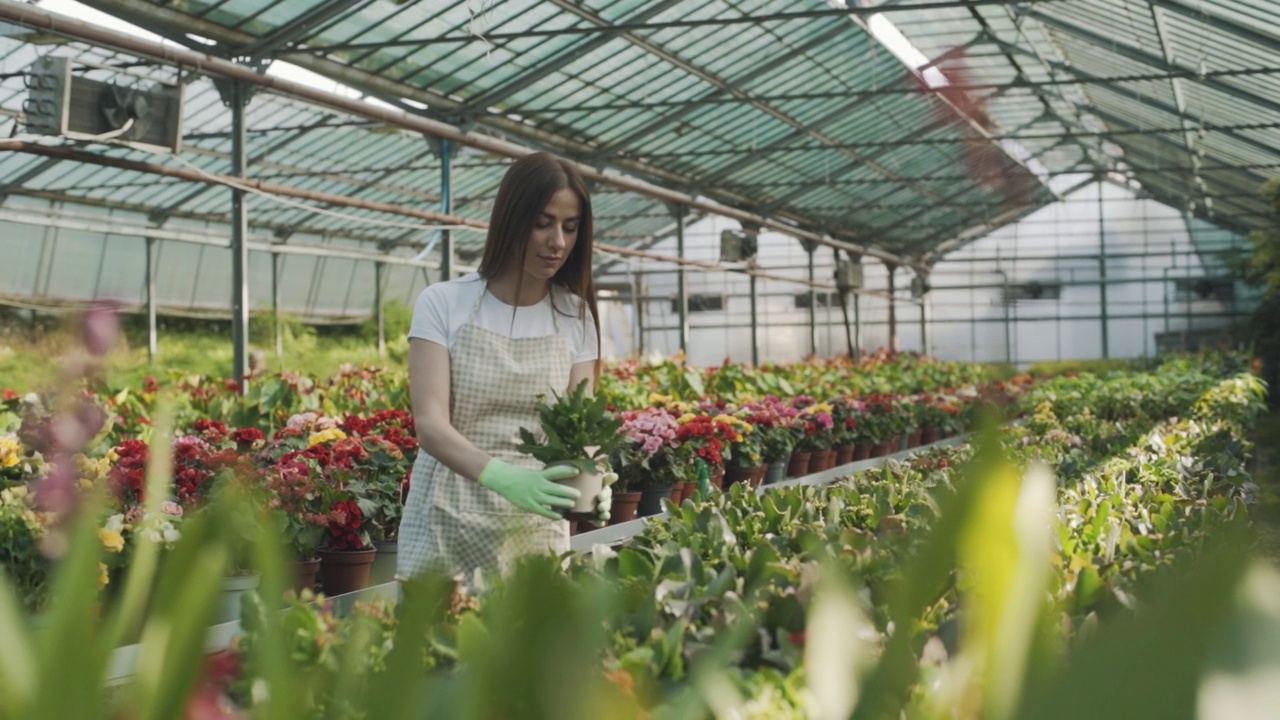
456 524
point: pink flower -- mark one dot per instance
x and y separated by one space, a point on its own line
171 508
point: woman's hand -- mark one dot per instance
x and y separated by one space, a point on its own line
532 490
604 501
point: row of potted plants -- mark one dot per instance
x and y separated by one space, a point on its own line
729 601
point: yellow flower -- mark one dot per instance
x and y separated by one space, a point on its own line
111 540
10 451
103 576
685 419
325 436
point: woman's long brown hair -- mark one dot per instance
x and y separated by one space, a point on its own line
526 189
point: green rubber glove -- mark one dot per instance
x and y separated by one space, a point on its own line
604 501
531 490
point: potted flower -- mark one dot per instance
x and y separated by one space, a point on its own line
844 416
774 421
642 460
745 462
300 505
576 430
346 550
814 434
373 471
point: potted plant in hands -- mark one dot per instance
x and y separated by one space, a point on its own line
576 430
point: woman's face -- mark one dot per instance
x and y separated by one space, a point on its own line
554 233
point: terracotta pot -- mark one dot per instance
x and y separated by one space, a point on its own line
824 460
384 564
651 499
688 490
913 440
861 451
304 574
798 466
624 507
757 475
880 450
344 571
776 472
738 475
717 477
844 454
929 436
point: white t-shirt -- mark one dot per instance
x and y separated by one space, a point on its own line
442 310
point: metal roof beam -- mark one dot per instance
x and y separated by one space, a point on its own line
1146 58
1200 15
722 87
719 201
744 19
27 176
297 28
497 95
1148 102
719 99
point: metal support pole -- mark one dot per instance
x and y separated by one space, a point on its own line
682 289
1008 339
755 322
893 311
844 308
379 273
239 99
924 329
857 325
152 340
1186 336
446 207
636 299
275 305
813 307
1102 276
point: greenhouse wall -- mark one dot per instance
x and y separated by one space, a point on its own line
1154 253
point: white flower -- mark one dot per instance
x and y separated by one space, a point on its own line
170 534
31 399
115 523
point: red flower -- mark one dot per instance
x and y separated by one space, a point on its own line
232 386
150 385
247 437
211 431
128 477
11 394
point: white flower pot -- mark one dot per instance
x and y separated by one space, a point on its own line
229 601
590 486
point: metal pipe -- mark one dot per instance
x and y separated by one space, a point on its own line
857 327
813 307
379 274
924 331
682 288
446 207
56 23
239 234
152 340
275 306
1102 276
755 323
893 312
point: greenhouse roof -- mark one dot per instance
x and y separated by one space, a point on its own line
810 114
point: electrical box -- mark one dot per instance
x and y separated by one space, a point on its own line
919 286
735 248
848 274
68 105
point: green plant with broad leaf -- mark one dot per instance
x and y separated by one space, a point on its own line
576 428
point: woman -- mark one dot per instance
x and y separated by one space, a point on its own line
481 349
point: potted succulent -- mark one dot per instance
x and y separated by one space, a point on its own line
577 429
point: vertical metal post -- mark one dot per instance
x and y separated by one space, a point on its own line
755 322
239 231
1102 276
446 207
152 340
379 272
682 289
857 325
637 297
275 305
924 329
1008 339
1186 342
893 311
813 307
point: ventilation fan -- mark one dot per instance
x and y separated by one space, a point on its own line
61 103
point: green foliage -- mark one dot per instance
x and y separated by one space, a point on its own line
575 428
